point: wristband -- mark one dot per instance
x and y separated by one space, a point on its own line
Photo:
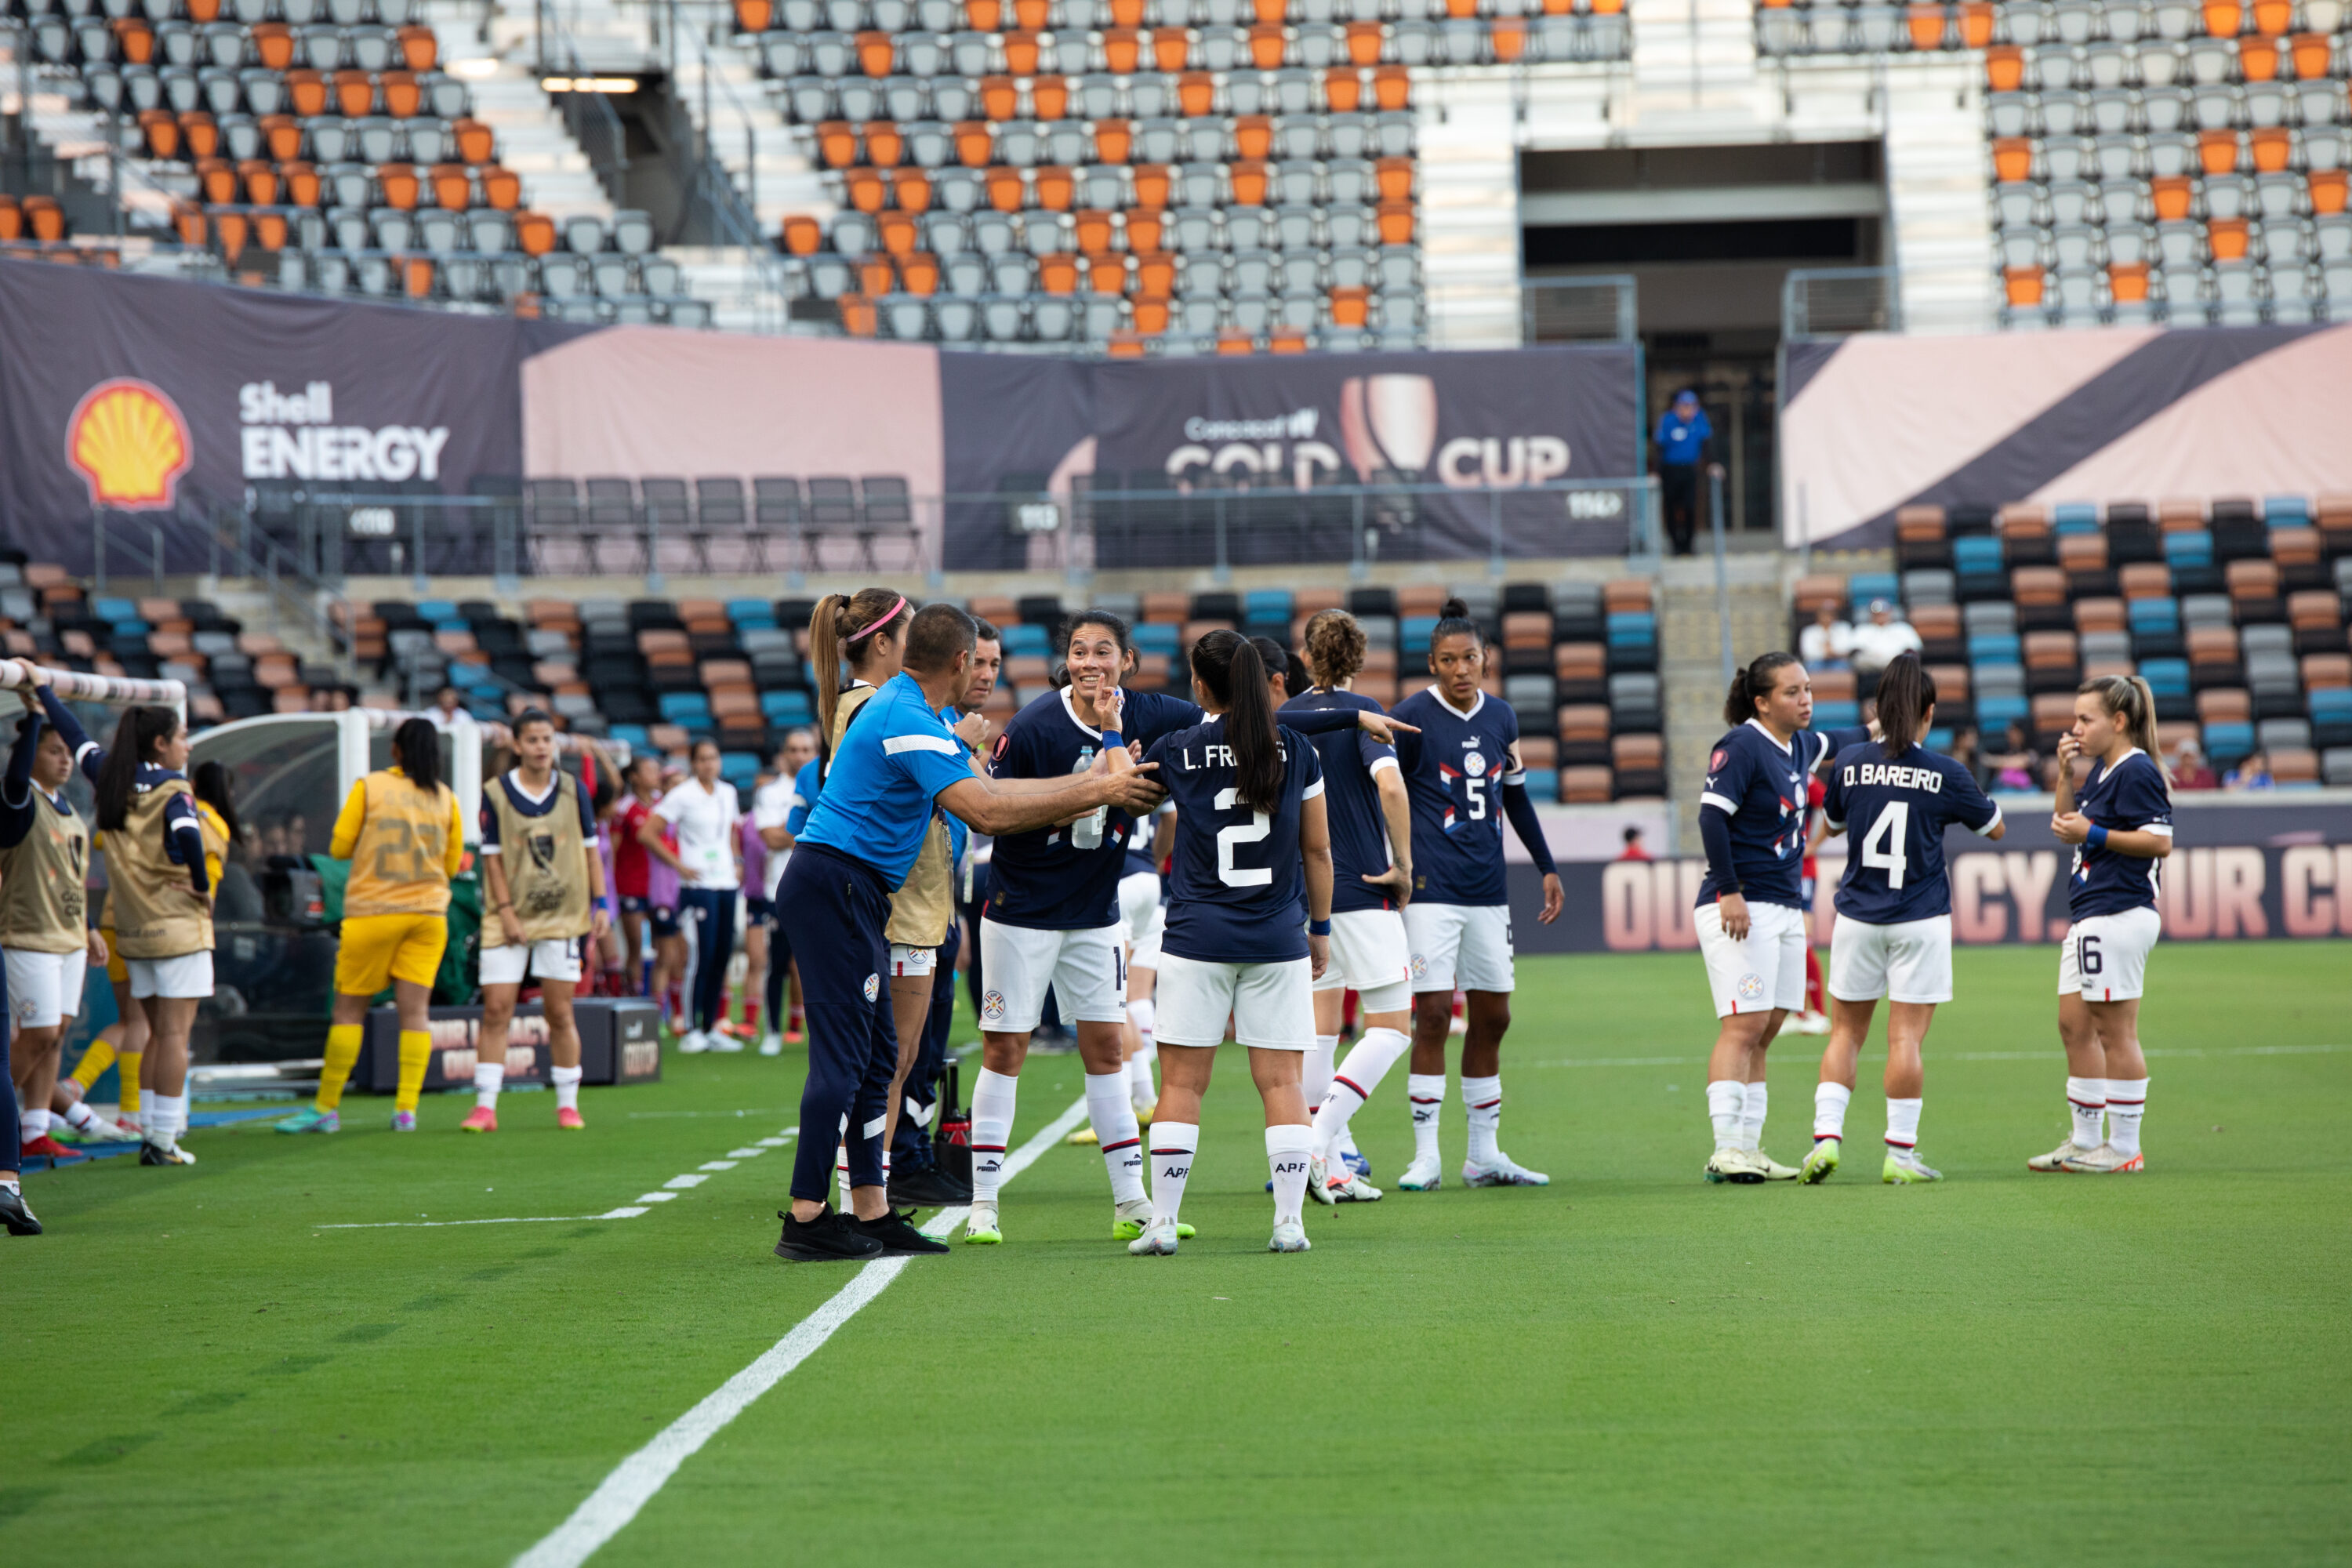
2098 838
1111 742
1318 928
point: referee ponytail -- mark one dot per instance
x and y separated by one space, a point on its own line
1234 675
1906 695
844 625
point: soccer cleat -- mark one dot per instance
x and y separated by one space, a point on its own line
1318 1179
164 1154
129 1124
16 1215
481 1118
2106 1159
898 1238
1423 1175
1289 1237
1356 1162
1502 1171
1732 1165
100 1132
980 1227
310 1119
1806 1023
404 1121
1346 1187
1131 1220
720 1044
829 1238
1904 1168
1821 1162
2056 1159
1159 1240
772 1044
1773 1170
694 1042
1084 1135
47 1148
569 1119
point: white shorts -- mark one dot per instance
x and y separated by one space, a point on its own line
1910 960
1146 946
1138 900
1765 970
2105 957
45 988
187 974
912 962
1086 969
1271 1006
1466 946
1370 956
549 958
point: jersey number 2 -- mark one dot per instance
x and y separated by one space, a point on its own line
1881 847
1232 839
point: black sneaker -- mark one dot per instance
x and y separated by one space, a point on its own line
829 1238
897 1237
927 1187
16 1215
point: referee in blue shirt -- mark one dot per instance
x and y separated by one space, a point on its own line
1682 443
896 762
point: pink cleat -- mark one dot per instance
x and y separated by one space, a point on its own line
404 1121
569 1119
483 1118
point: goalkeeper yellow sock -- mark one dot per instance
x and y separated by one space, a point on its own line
94 1063
126 1067
415 1055
343 1050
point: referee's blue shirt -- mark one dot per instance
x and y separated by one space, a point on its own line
876 803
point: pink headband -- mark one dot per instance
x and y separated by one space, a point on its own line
889 616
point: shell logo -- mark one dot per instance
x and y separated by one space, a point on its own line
129 444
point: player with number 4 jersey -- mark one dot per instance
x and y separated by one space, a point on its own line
1891 798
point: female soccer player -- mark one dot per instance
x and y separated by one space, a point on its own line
1255 847
1371 820
895 766
1892 799
404 835
160 894
771 807
1751 930
703 811
1052 916
43 936
1463 775
643 915
546 891
2121 827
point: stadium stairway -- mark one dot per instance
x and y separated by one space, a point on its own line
535 141
1690 656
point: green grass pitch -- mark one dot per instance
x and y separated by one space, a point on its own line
1628 1367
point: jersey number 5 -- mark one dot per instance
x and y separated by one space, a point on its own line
1882 845
1230 838
1475 791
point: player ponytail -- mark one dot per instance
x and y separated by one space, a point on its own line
136 733
1234 675
844 625
1335 647
212 783
416 747
1751 685
2128 697
1906 695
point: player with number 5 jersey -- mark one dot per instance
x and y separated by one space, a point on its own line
1891 798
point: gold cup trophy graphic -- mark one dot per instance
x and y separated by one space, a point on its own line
129 444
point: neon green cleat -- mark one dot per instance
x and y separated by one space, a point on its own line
1821 1162
1904 1168
1084 1135
310 1119
1132 1220
979 1226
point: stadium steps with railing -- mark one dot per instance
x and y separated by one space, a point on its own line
1690 646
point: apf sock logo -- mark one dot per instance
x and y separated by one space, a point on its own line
129 445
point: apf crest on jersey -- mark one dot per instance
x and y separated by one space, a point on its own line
873 986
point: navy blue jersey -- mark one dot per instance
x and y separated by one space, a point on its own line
2129 796
1892 812
1758 787
1237 889
1063 877
1359 833
1454 772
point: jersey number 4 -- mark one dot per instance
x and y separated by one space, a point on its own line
1232 839
1882 845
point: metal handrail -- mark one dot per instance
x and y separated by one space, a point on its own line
1837 301
583 112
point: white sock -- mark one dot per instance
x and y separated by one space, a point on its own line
1751 1118
1353 1083
1315 1072
81 1118
567 1087
1482 1104
1727 1102
1144 1012
2127 1104
1903 1123
1139 1092
488 1079
1174 1144
1287 1150
1830 1100
167 1120
32 1125
2086 1099
1426 1091
1113 1120
993 1095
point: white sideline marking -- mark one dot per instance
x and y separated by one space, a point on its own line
661 1197
715 1165
2050 1054
688 1179
626 1212
745 1153
636 1479
437 1224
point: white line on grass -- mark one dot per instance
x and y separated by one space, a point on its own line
642 1204
637 1477
2052 1054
